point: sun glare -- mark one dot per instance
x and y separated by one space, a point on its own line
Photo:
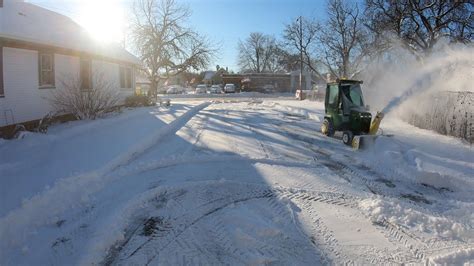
104 19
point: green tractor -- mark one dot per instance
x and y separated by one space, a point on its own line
345 111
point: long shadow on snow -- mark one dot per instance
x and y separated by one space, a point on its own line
316 143
200 205
47 161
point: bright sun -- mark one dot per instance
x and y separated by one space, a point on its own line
103 19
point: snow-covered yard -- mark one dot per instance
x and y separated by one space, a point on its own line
236 181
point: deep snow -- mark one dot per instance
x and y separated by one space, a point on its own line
241 181
30 165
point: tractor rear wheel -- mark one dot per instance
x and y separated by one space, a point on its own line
347 137
327 128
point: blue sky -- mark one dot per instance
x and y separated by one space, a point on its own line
225 22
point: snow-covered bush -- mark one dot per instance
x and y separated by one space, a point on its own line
138 100
76 98
448 113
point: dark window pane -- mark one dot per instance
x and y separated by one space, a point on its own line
2 92
129 78
122 77
46 69
46 62
333 94
47 77
86 80
125 77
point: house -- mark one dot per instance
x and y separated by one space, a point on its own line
142 84
39 48
208 75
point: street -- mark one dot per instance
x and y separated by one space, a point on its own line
246 182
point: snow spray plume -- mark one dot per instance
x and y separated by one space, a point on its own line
398 77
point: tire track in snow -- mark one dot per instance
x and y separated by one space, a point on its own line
215 203
418 246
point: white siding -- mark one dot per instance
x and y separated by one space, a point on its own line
20 77
23 100
111 72
65 67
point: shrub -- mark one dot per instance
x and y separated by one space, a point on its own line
448 113
138 100
91 103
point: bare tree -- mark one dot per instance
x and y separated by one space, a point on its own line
163 43
421 23
305 41
276 60
344 41
88 103
259 53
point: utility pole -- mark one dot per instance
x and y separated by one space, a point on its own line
301 58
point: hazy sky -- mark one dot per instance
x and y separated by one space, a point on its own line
223 21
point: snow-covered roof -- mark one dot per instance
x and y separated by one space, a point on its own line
31 23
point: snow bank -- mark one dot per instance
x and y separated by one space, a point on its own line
74 191
398 212
410 155
458 257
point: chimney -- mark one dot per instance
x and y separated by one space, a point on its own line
1 3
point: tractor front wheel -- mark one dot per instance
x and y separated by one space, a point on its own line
347 137
327 128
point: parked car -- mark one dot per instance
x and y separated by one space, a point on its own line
174 90
229 88
201 88
268 88
215 89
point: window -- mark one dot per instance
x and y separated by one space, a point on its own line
333 94
125 77
86 74
354 94
46 70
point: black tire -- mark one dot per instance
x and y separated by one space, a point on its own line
347 137
327 128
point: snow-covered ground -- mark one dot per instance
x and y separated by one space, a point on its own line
30 165
233 181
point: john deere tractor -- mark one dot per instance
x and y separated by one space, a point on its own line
345 111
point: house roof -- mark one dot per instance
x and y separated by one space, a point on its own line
27 22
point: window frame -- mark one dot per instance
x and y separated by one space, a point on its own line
2 88
88 62
334 100
42 84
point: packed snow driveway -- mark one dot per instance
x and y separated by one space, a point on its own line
243 182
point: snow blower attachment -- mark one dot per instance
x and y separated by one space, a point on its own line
363 141
345 111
